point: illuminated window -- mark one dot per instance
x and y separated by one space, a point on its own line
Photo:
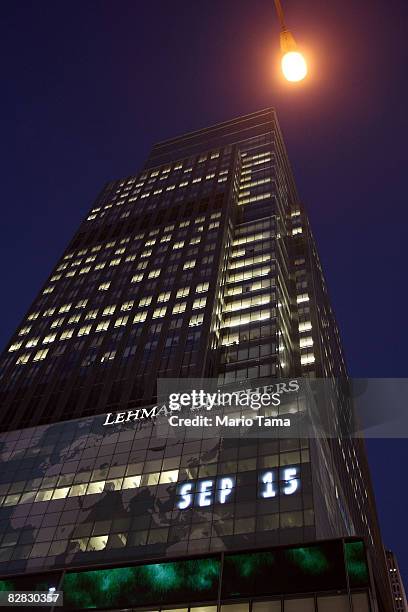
49 312
65 308
43 495
178 245
95 487
31 342
92 314
307 359
195 240
50 338
97 543
68 333
24 331
150 479
132 482
179 307
74 319
102 326
154 274
189 264
145 301
306 342
202 287
159 312
196 320
81 304
127 306
305 326
140 317
57 322
200 303
41 354
60 493
84 331
169 476
76 490
121 321
164 297
23 359
137 278
15 347
33 316
183 292
104 287
109 310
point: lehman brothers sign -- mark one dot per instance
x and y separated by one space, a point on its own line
194 400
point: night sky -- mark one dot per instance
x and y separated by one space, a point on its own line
88 87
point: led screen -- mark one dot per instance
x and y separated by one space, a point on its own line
356 563
170 582
34 582
287 570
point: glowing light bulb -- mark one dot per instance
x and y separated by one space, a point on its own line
294 66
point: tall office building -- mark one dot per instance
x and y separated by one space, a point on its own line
202 265
398 590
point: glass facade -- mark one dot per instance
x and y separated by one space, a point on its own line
78 492
307 575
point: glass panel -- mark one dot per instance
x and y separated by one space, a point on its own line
334 603
360 602
95 487
60 493
77 490
299 605
241 607
97 542
169 476
131 482
267 606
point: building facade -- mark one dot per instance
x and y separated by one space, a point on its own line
203 265
398 590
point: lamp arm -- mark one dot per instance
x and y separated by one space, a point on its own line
281 16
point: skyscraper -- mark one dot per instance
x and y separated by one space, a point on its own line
202 265
398 590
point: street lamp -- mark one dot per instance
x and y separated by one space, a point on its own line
293 63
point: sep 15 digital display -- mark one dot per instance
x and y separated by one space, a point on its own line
220 490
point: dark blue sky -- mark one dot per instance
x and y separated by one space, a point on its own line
88 86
